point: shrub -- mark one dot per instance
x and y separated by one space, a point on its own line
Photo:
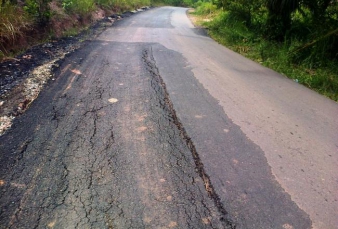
39 10
81 7
122 4
230 28
206 8
13 22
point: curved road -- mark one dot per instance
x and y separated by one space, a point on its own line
155 125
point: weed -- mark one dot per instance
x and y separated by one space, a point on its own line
206 8
81 7
13 23
71 32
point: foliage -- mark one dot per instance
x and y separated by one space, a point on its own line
39 10
173 2
187 3
130 4
242 10
231 28
12 24
206 8
81 7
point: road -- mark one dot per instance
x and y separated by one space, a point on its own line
155 125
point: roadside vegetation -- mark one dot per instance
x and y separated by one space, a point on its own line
25 22
296 38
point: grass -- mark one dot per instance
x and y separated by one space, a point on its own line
277 56
13 23
121 5
71 32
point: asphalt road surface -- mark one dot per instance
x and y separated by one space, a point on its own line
155 125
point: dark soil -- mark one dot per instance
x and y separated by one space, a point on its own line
14 70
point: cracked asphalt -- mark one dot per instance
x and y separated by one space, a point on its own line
102 148
144 128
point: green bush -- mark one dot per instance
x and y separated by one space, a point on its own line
174 2
39 10
122 4
206 8
230 28
13 22
198 3
188 3
80 7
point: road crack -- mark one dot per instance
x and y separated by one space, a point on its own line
158 84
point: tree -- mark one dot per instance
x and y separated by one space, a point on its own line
279 17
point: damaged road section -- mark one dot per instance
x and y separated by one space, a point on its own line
23 77
237 168
101 147
151 63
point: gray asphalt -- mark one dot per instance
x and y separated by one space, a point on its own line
154 125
